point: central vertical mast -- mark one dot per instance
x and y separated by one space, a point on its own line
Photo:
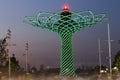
66 56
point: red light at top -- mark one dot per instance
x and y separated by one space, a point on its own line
66 7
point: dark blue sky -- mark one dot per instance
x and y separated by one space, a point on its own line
44 45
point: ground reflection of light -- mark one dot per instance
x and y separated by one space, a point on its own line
57 77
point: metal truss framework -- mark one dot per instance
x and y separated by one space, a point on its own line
65 23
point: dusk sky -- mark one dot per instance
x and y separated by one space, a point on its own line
44 45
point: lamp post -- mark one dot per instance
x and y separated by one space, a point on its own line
109 48
8 37
26 57
9 45
99 50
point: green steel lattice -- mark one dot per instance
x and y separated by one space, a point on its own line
65 23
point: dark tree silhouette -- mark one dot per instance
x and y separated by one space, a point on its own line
116 62
3 52
14 63
15 67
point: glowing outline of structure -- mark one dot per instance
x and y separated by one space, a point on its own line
65 26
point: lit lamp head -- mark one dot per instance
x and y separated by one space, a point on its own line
65 12
66 8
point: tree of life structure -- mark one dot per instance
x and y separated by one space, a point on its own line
65 23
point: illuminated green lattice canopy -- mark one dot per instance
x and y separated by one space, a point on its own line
65 23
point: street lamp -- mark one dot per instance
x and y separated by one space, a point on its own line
109 47
99 50
26 57
9 44
8 36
